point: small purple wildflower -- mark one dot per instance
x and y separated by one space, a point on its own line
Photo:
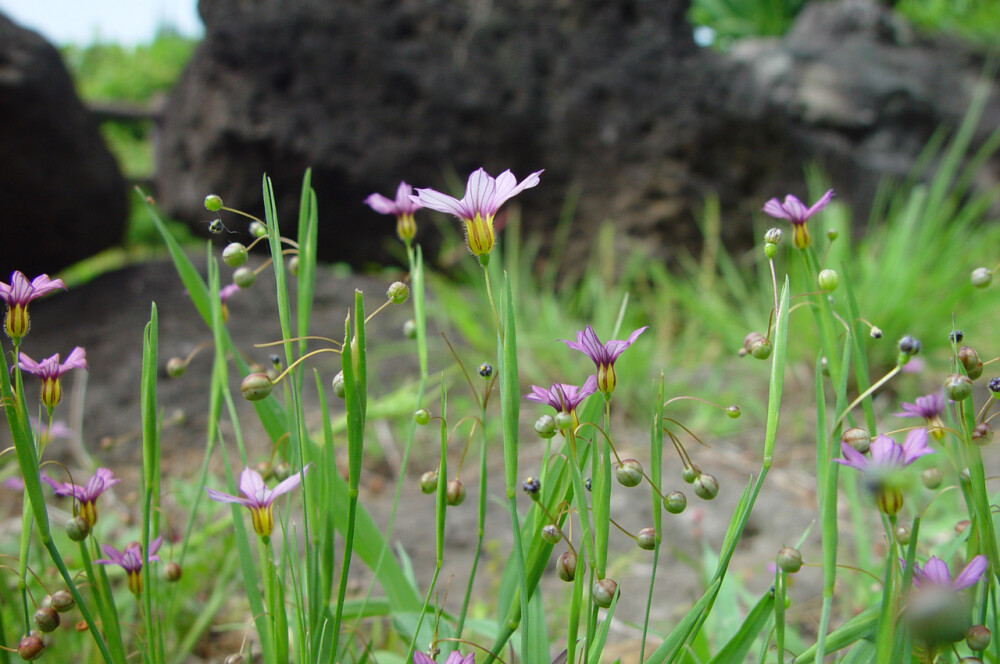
602 355
86 495
258 498
17 294
50 370
930 407
131 559
935 573
887 457
796 212
454 657
937 609
564 398
483 197
403 207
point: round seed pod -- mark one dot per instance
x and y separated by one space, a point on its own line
706 486
293 266
646 539
982 434
566 566
958 387
733 411
235 254
981 277
790 560
62 601
173 572
339 389
455 493
410 329
564 421
859 439
690 473
978 637
235 658
422 416
46 619
213 202
429 481
176 366
77 528
603 592
903 534
932 478
532 486
256 386
257 229
629 473
545 426
30 647
828 280
675 502
550 533
244 277
398 292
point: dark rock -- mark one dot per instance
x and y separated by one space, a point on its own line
64 197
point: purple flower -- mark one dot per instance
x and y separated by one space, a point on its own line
258 498
130 559
564 398
936 609
796 212
483 197
50 370
87 495
603 355
935 573
403 207
887 457
929 407
18 294
454 657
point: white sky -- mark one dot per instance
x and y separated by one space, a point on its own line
128 22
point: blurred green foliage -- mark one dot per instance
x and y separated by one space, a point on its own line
975 20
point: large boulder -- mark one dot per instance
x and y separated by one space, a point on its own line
613 98
64 197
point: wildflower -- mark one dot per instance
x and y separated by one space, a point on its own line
258 498
403 207
796 212
603 355
564 398
936 609
887 457
454 657
87 495
225 293
935 572
483 197
50 370
18 294
930 407
130 559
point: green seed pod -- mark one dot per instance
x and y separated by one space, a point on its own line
970 360
706 487
828 280
30 647
770 250
789 560
646 539
978 637
564 421
690 473
982 434
545 426
603 592
733 411
176 366
757 345
859 439
903 535
339 389
256 386
213 202
77 528
675 502
283 471
629 473
566 566
429 481
410 329
235 254
422 416
832 234
550 533
46 619
244 277
931 478
62 601
398 292
455 493
958 387
173 572
257 229
293 266
981 277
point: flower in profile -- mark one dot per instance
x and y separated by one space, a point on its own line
483 197
564 398
454 657
403 207
130 559
796 212
935 572
258 498
50 370
86 495
936 609
887 458
17 294
603 355
930 407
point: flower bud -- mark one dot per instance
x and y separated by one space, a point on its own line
981 277
909 345
859 439
675 502
828 280
603 592
733 411
283 471
629 473
62 601
564 421
235 254
410 329
566 566
757 345
903 535
293 266
77 528
173 572
398 292
646 539
773 236
531 487
550 533
994 387
706 487
429 481
244 277
978 637
485 370
545 426
982 434
958 387
876 332
46 619
339 389
257 229
235 658
832 234
455 493
213 202
422 416
176 366
31 647
932 478
789 560
256 386
970 360
690 473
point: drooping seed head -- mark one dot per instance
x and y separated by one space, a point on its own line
706 486
690 473
30 647
789 560
77 528
410 329
675 502
429 481
982 434
629 473
455 493
244 277
545 426
293 265
733 411
603 592
62 601
46 619
339 389
213 202
970 361
566 566
173 572
257 229
256 386
978 637
646 539
932 478
981 277
828 280
398 292
283 471
564 420
422 416
176 366
958 387
550 533
903 534
859 439
235 254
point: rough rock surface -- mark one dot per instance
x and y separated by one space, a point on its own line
613 98
63 194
